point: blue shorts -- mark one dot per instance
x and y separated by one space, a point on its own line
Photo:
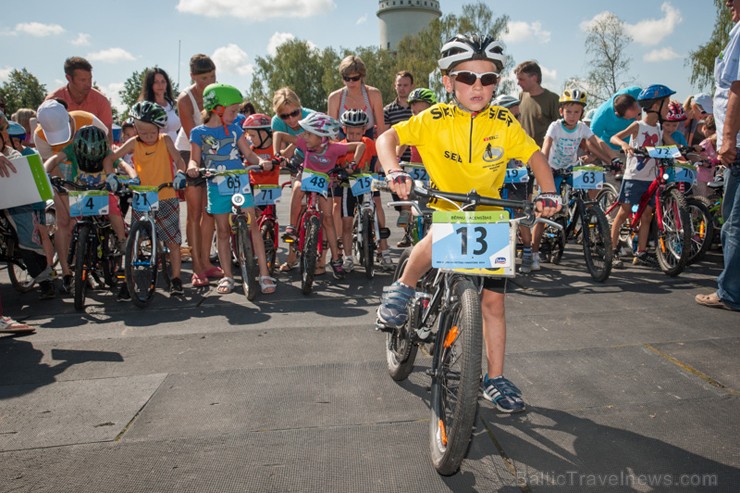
632 191
221 204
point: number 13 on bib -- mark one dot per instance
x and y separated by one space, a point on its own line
478 243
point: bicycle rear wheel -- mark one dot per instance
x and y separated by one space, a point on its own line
245 258
597 244
702 228
368 243
400 351
674 241
83 264
455 386
269 237
110 262
141 264
21 280
310 253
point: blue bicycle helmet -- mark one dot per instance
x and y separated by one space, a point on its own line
655 91
16 130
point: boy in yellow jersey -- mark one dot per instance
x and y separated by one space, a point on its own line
465 145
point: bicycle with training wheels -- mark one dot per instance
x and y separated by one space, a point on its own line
366 230
583 220
146 253
446 310
235 183
309 234
671 226
92 252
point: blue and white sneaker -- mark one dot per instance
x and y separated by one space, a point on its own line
393 310
503 394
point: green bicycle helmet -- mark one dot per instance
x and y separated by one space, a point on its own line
149 112
422 94
90 146
219 94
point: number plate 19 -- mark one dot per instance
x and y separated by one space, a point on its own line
471 240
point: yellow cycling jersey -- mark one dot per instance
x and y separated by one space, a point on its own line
463 151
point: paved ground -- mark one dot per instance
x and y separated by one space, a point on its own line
630 386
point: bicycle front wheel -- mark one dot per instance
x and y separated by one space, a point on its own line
455 385
83 264
310 253
109 260
597 243
674 240
270 239
245 258
141 264
400 351
702 228
368 243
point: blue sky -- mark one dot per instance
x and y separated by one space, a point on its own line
120 37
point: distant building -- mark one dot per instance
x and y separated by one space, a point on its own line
399 18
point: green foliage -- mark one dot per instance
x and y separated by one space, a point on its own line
22 90
702 59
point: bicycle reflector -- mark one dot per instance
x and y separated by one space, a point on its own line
237 199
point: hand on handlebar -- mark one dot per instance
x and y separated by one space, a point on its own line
400 183
548 204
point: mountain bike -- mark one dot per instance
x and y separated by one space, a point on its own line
366 230
670 228
446 310
93 246
146 254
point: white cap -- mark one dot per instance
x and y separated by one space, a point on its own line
705 102
54 121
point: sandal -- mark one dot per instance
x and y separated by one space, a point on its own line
199 281
267 284
287 267
225 285
214 272
320 270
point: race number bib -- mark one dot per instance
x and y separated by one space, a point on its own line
88 203
314 181
416 171
234 182
663 152
588 178
472 240
265 195
145 199
683 173
361 184
516 175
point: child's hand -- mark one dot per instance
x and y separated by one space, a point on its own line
180 181
548 204
266 165
193 172
628 150
399 182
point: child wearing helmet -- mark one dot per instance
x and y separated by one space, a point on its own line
640 172
258 129
354 125
320 154
156 160
673 119
465 145
220 144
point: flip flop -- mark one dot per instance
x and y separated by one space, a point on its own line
199 281
286 267
214 272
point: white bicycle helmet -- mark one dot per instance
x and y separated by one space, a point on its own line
354 118
464 47
321 124
506 101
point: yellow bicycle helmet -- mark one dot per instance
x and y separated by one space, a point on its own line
573 96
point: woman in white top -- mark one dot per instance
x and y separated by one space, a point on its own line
355 95
157 88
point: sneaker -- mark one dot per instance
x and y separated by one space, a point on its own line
503 394
642 258
176 287
386 262
392 311
67 283
535 261
336 269
526 267
289 235
617 262
123 294
405 242
349 264
47 290
120 248
403 219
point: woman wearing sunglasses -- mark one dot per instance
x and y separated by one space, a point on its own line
355 95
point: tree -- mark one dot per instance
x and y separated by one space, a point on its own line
702 59
22 90
607 43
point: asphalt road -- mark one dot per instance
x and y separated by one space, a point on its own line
630 387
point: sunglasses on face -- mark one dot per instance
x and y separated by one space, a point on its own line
353 79
468 78
292 114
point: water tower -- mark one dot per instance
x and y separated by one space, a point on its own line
399 18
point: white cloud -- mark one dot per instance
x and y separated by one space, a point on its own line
519 31
256 10
231 59
111 55
598 18
650 32
661 55
38 29
362 19
111 91
5 73
82 39
276 40
549 76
